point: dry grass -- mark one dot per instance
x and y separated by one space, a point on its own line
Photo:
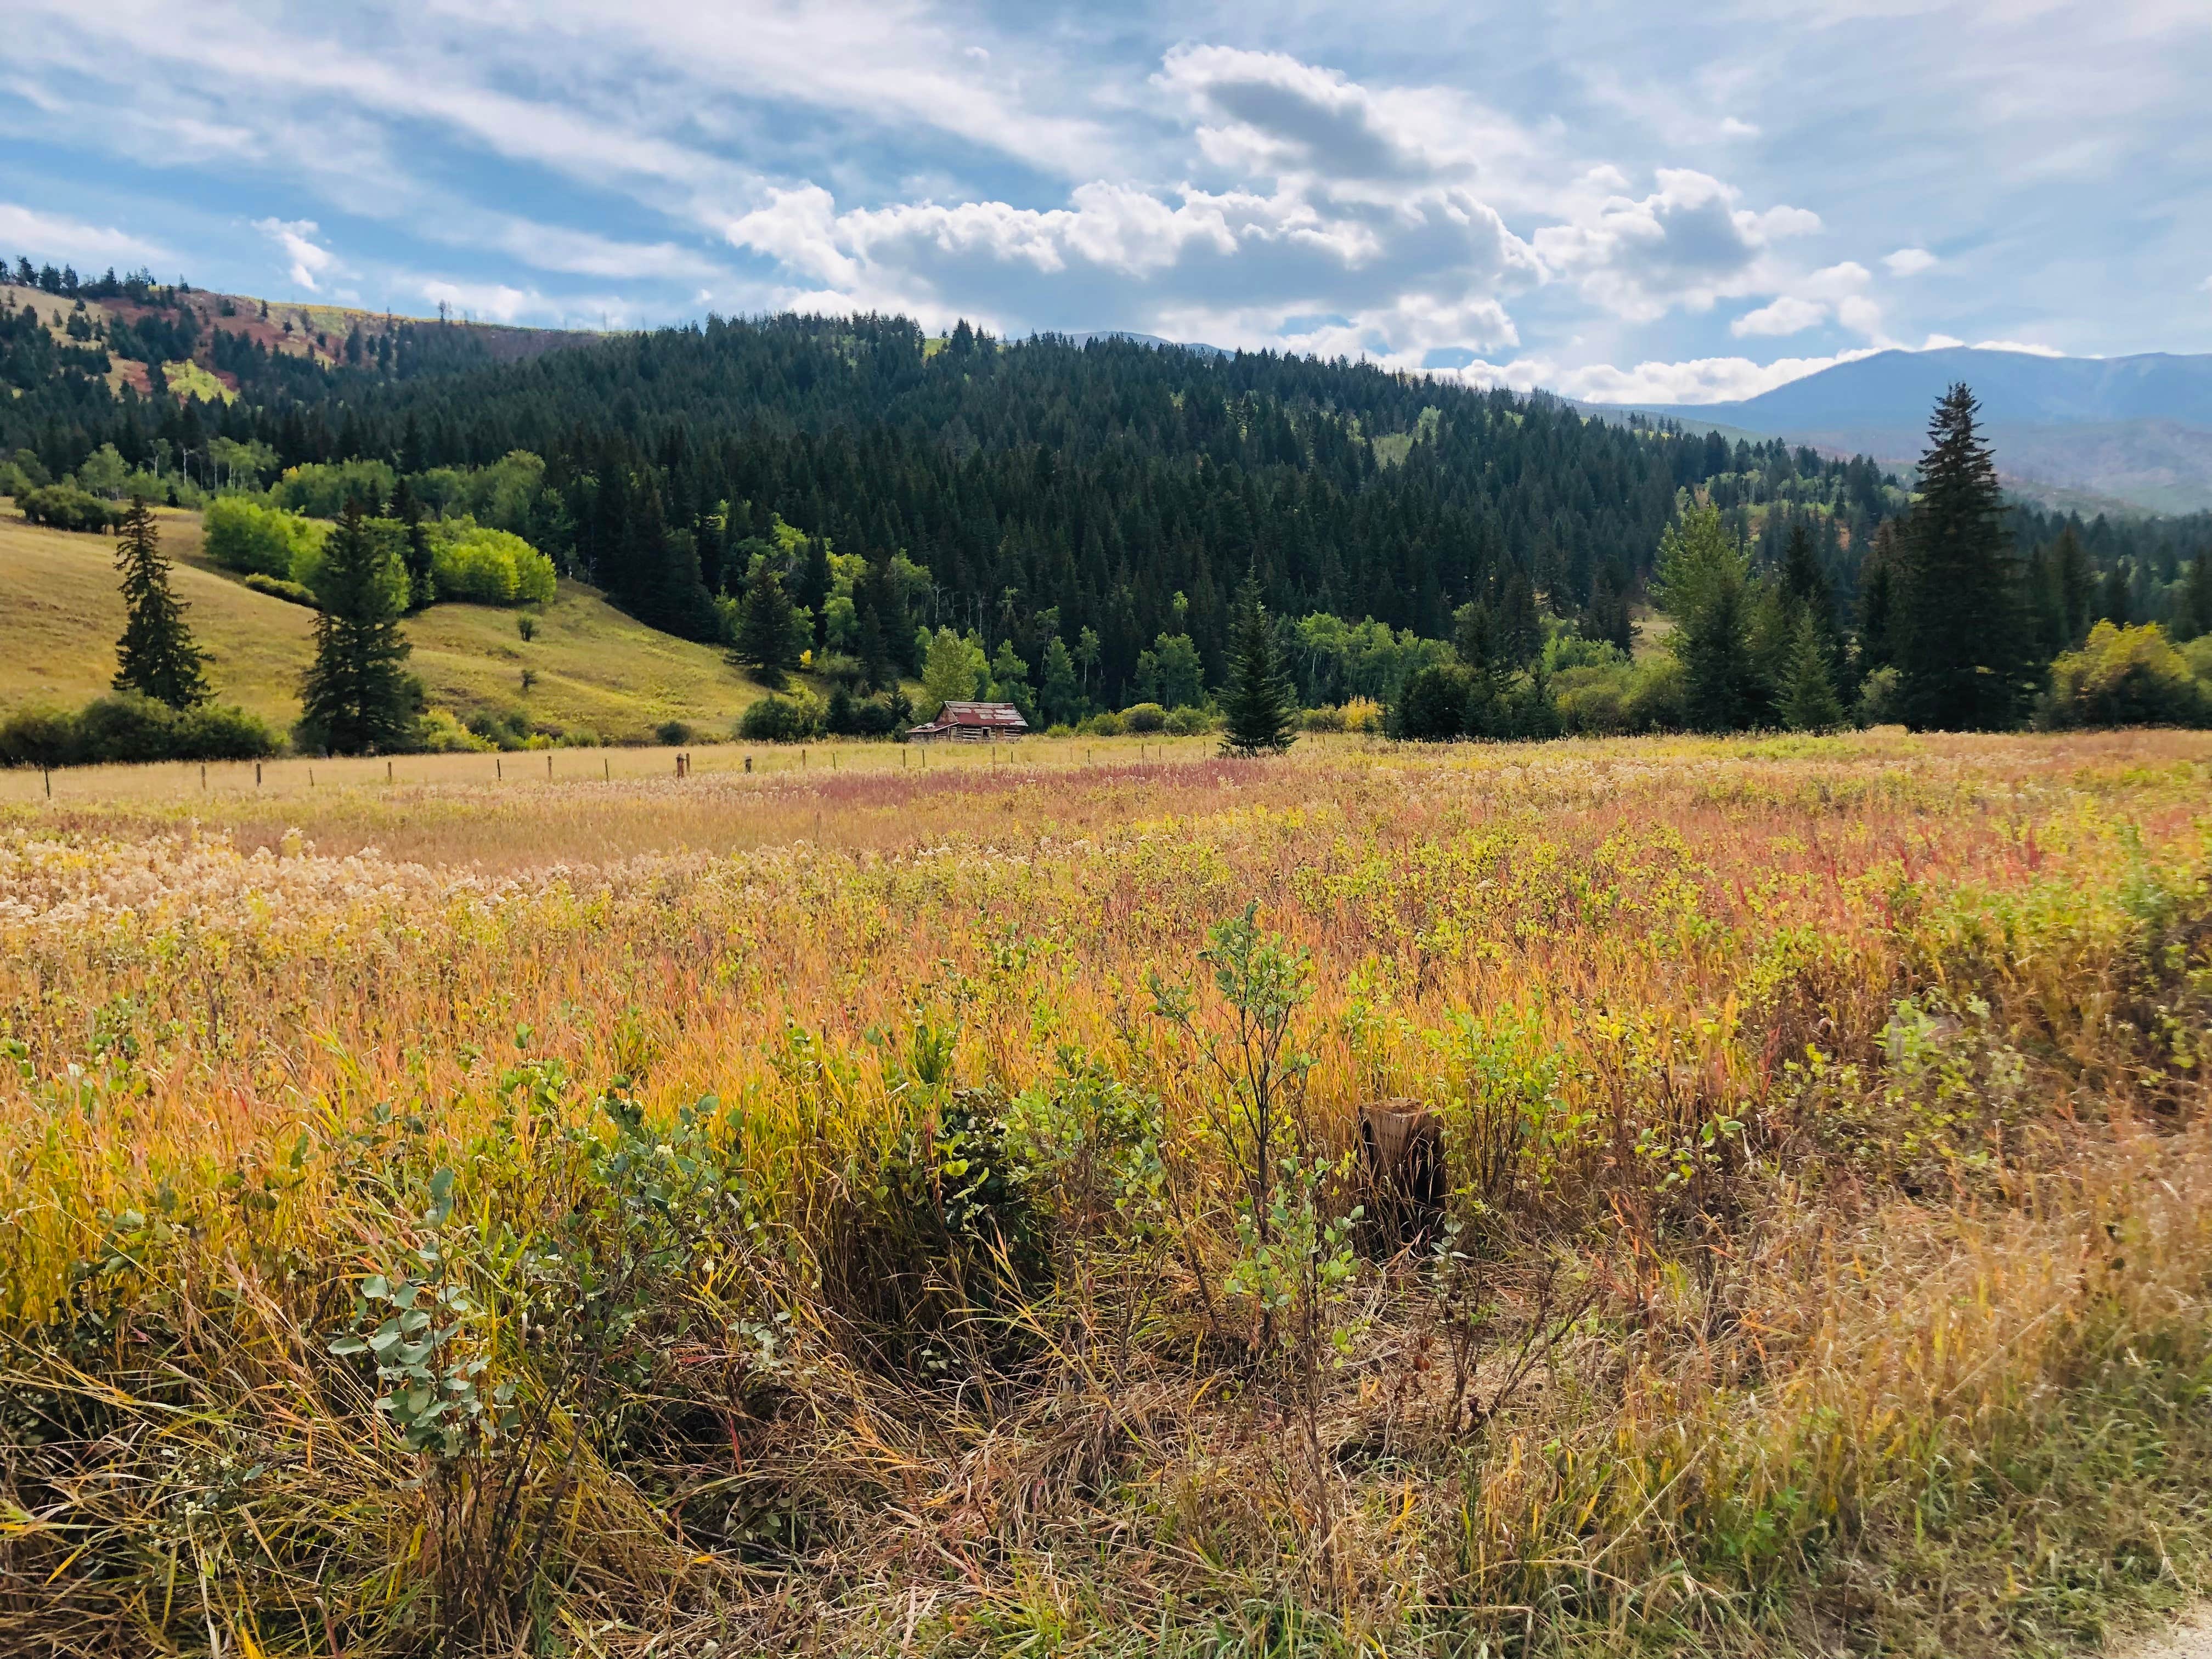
595 668
1834 1211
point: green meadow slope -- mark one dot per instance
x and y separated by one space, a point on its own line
591 665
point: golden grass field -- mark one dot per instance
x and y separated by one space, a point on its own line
594 667
802 1211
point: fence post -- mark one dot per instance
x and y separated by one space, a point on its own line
498 770
257 775
549 768
606 769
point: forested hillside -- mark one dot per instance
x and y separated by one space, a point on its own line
1109 496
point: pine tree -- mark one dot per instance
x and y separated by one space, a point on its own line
422 585
155 656
1260 706
1059 696
1703 585
764 641
1962 650
1808 693
358 697
2193 609
2075 581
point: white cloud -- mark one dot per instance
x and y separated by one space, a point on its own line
28 233
2017 345
296 237
494 301
1687 243
1787 315
1909 261
1702 380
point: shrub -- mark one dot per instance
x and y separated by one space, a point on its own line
2123 676
258 541
1189 722
1107 724
673 733
439 733
1327 717
126 727
1143 717
1659 698
277 588
1593 702
482 566
40 735
791 719
322 489
64 506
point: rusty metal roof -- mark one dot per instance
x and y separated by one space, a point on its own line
994 716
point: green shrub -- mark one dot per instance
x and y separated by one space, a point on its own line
781 719
1432 708
1879 700
40 735
277 588
2123 676
64 506
1190 722
673 733
1659 696
321 489
1107 724
440 733
259 541
126 727
472 562
1143 717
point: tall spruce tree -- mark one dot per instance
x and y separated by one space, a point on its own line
1962 648
155 656
358 695
765 642
1260 706
422 585
1703 585
1808 701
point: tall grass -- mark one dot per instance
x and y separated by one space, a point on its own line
823 1213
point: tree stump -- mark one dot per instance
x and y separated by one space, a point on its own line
1401 1147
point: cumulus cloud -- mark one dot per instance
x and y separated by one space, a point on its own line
2019 346
1701 381
1686 243
1837 292
309 260
1909 261
55 236
494 301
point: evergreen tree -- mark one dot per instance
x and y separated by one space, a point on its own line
1703 580
2074 583
2193 614
1260 706
1962 652
1808 694
421 584
1878 596
766 627
1059 696
2115 604
155 656
358 695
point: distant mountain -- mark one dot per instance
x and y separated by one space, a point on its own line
2132 430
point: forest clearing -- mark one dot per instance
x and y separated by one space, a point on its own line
868 1210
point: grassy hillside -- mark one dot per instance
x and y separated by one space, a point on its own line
592 666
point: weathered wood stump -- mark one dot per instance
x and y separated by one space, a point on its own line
1401 1146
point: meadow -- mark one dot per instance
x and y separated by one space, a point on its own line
591 668
876 1208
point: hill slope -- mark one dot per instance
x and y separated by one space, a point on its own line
593 668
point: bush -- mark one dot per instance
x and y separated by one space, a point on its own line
1593 702
277 588
471 562
672 733
40 735
1102 725
259 541
439 733
1143 717
1879 702
126 727
322 489
791 719
2123 676
1327 717
1659 696
64 506
1190 722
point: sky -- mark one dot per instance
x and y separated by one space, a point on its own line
1617 200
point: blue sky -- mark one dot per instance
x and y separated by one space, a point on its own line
1617 199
